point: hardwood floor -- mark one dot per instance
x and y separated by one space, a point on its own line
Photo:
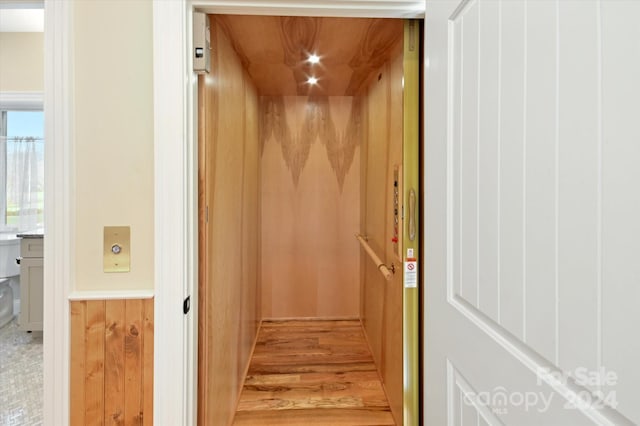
312 372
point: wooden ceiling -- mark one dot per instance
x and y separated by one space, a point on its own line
275 51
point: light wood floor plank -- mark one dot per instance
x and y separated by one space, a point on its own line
312 372
321 416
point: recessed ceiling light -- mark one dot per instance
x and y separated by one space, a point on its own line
312 80
314 59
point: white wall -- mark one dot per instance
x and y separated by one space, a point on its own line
21 62
113 75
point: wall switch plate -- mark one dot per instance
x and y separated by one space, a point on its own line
117 249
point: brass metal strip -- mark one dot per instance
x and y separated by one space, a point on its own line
411 180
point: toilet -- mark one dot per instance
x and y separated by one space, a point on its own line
9 275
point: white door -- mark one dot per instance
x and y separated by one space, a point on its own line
532 212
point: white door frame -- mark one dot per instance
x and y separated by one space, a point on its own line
175 139
59 201
175 373
175 182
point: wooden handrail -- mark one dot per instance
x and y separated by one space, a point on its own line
384 270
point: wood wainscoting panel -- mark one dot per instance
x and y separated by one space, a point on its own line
94 351
111 362
114 401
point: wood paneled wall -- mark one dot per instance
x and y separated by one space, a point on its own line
274 50
310 206
381 304
111 362
229 171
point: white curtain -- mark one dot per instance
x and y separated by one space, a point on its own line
25 182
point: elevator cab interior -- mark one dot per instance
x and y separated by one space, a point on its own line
308 132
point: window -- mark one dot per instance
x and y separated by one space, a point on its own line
22 172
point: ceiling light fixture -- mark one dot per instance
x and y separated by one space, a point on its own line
312 81
314 59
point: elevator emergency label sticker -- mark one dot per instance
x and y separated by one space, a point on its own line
411 274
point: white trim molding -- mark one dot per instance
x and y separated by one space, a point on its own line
338 8
59 201
22 101
110 295
172 221
593 408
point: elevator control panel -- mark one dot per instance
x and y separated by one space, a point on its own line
395 239
116 251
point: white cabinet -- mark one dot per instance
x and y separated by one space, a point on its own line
31 284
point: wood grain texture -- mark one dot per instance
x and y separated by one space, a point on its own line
114 402
310 195
323 416
316 372
78 319
204 103
382 302
111 362
95 342
229 256
275 49
281 195
133 355
147 370
250 312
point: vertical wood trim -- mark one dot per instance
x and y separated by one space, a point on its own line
243 273
203 336
385 326
147 369
133 368
77 377
112 362
94 352
364 190
114 382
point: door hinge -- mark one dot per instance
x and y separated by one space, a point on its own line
186 305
